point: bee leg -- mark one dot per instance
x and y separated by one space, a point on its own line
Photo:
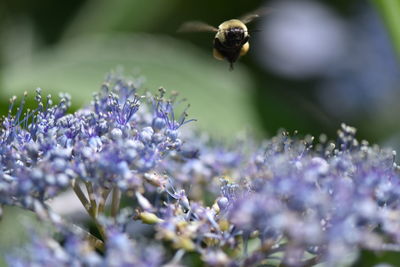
246 39
244 49
218 55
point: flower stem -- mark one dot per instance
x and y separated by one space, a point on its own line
103 199
90 205
116 199
79 193
92 198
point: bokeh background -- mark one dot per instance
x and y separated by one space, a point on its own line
312 64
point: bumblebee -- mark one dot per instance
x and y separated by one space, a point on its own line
231 40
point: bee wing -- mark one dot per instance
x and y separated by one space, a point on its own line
196 26
249 17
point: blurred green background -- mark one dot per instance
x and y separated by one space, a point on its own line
311 65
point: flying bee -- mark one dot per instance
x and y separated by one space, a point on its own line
231 40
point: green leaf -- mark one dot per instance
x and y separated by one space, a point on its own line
370 258
14 229
390 12
123 15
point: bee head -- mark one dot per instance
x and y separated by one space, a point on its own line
234 34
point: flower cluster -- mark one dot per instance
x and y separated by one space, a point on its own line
33 165
326 203
160 196
76 251
110 143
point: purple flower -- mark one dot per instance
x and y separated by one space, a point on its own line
77 251
331 204
291 200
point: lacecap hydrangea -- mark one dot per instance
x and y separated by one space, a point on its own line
162 194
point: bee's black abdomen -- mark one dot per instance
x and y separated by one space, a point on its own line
230 53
